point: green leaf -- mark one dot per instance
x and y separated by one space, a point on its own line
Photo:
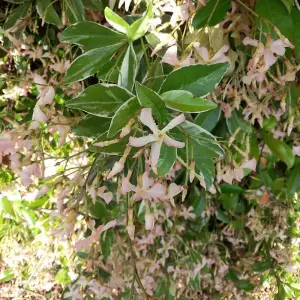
75 10
275 12
279 149
237 122
16 1
16 15
211 14
128 69
92 35
208 119
293 182
100 99
281 295
115 20
185 102
229 201
199 205
92 126
6 276
288 4
295 39
149 99
155 76
140 26
94 5
106 241
167 159
222 216
200 80
46 11
231 189
122 116
62 276
89 63
262 266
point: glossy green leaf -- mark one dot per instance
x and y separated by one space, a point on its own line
211 14
231 189
89 63
47 12
16 15
97 5
149 99
288 4
208 119
122 116
140 26
185 102
92 126
200 80
75 10
92 35
279 149
128 69
293 183
100 99
229 201
167 159
116 21
295 39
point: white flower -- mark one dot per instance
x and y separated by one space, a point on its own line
158 137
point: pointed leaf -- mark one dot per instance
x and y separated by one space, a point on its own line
167 159
185 102
94 5
100 99
279 149
200 80
92 35
211 14
89 63
47 12
140 26
208 119
75 10
128 69
122 116
115 20
293 183
288 4
16 15
149 99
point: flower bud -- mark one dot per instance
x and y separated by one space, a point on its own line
149 221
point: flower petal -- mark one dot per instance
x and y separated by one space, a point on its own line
278 47
147 119
142 141
157 191
155 152
170 57
147 181
173 143
249 41
173 123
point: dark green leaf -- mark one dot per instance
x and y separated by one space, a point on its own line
211 14
92 35
295 39
115 20
89 63
16 1
92 126
100 99
199 204
47 12
106 241
128 69
229 201
208 119
279 149
185 102
288 4
237 122
122 116
155 76
167 159
222 216
200 80
293 183
16 15
94 5
230 188
262 266
75 10
149 99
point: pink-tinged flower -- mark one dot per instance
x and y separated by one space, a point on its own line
29 173
119 165
205 58
170 58
186 213
158 137
126 130
147 189
296 150
173 190
100 192
95 236
149 221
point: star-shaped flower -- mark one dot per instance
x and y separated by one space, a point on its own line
158 137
